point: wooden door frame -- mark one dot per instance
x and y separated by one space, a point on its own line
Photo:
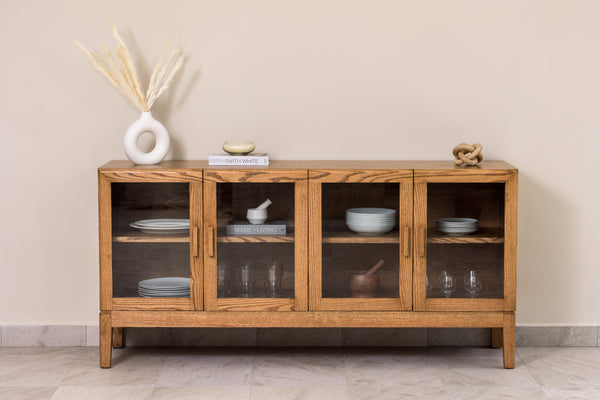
105 180
299 178
422 178
404 178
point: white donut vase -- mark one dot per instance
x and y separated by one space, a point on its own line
146 123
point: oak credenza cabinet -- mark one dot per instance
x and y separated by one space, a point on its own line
314 259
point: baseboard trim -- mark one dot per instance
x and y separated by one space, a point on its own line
87 335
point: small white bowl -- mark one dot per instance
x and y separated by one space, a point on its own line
238 147
256 216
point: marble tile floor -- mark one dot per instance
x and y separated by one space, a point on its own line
64 373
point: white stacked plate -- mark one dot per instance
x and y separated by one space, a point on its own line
162 225
370 220
164 287
457 226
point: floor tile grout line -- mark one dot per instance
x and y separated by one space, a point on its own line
529 370
81 351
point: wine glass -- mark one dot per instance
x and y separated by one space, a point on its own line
428 285
447 283
473 284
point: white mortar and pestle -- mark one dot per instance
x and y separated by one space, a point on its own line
259 214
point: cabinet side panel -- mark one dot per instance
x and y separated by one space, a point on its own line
301 250
510 244
105 246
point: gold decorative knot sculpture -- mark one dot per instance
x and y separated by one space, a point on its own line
467 154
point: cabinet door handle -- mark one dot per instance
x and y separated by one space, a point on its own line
194 241
406 242
210 236
423 245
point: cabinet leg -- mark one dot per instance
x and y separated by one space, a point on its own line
105 339
496 338
118 338
508 337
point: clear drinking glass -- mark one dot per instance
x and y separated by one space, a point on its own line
273 278
473 284
447 283
428 285
246 281
223 280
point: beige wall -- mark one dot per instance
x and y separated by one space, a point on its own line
325 79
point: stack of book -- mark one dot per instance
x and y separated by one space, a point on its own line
246 228
252 159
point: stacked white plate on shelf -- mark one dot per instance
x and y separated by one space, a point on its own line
162 225
164 287
370 220
456 226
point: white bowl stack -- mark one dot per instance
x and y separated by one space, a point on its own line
164 287
370 220
456 226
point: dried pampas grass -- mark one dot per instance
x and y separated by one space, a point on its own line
120 71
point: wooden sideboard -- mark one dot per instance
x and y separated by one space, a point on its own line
301 278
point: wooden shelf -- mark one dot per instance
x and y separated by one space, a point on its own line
337 232
484 235
139 237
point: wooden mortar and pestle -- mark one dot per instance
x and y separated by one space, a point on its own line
365 283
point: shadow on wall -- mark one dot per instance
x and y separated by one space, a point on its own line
547 264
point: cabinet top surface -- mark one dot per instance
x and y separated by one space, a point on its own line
308 164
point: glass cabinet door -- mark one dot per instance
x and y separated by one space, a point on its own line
255 240
360 240
465 229
154 256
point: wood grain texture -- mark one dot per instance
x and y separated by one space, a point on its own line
315 249
463 304
139 237
196 254
481 236
420 245
463 175
361 304
508 338
148 303
153 176
406 256
359 175
255 304
510 245
105 245
301 245
254 175
105 333
307 319
210 248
